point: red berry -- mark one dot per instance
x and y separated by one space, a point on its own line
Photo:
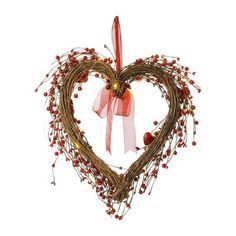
45 94
98 182
75 163
194 143
56 153
191 81
175 131
155 122
58 58
196 122
76 96
156 133
164 165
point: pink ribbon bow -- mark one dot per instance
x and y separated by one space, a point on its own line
106 104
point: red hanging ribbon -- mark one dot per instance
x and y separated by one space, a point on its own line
117 43
106 104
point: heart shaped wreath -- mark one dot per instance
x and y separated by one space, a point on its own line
71 71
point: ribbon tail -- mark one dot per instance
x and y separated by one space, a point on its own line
125 108
103 107
100 104
109 123
129 130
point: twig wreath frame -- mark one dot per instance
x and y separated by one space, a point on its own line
72 70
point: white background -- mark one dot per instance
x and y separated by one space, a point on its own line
195 196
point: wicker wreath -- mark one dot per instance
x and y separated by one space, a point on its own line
71 71
121 183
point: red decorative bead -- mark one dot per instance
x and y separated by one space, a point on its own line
76 96
164 165
191 81
155 122
98 182
147 138
194 143
156 133
56 153
45 94
75 163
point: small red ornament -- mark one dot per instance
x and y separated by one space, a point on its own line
147 138
155 122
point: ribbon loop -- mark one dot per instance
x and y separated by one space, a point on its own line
117 43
